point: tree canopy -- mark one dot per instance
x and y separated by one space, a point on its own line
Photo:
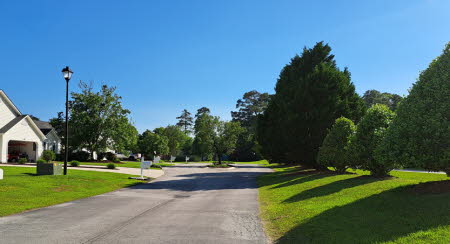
372 97
98 121
252 105
369 134
420 134
311 93
185 121
334 151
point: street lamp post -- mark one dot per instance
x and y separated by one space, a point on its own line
67 73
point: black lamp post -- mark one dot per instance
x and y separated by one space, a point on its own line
67 73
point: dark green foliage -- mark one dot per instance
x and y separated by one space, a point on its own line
185 121
111 166
151 142
74 163
334 150
99 122
372 97
311 93
369 134
22 160
215 136
81 156
48 155
420 134
110 156
41 161
250 107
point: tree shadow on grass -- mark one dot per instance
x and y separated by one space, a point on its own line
292 176
331 188
383 217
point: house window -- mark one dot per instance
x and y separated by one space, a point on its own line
34 147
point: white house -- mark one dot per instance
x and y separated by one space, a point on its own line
52 141
19 134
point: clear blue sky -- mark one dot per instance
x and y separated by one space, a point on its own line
165 56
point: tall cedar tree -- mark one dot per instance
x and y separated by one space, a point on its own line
311 93
185 121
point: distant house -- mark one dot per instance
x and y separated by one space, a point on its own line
20 137
52 141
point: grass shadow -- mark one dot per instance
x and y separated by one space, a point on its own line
383 217
330 188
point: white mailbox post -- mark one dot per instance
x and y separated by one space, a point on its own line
156 160
187 159
145 165
1 174
172 158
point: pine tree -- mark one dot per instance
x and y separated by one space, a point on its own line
185 121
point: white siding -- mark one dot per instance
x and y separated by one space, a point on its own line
6 114
23 131
52 140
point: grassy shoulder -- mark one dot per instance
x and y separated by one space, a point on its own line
22 190
305 206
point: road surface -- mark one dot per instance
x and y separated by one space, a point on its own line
189 204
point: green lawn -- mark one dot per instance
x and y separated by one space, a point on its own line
22 190
126 164
303 206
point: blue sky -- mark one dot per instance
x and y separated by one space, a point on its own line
165 56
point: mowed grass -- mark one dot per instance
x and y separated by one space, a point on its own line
304 206
125 164
22 190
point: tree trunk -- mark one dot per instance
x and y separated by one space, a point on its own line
219 158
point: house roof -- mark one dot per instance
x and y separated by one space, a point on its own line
44 126
12 123
9 102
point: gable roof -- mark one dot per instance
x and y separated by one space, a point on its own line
10 103
16 120
44 126
11 124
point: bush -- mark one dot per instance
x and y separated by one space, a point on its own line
111 156
74 163
111 166
369 134
420 136
22 160
41 161
81 156
48 155
334 150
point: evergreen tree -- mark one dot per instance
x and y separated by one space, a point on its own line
185 121
311 93
420 134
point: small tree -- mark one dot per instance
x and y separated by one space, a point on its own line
225 135
334 150
420 134
369 133
48 155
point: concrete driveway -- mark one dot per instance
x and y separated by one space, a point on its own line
189 204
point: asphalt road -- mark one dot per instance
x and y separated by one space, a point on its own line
189 204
